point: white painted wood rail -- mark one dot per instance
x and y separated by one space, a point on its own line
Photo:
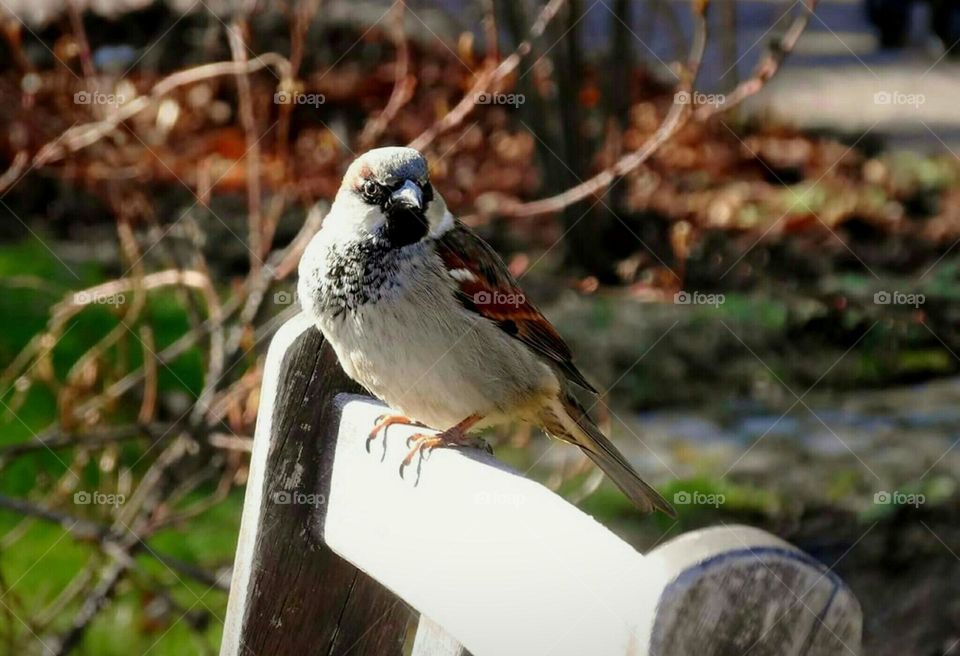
340 554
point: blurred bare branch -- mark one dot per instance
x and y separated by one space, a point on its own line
202 128
403 85
238 48
768 65
488 80
82 136
676 117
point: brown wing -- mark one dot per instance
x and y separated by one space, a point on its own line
487 288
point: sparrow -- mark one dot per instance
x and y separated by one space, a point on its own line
426 316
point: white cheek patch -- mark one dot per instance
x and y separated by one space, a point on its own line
440 227
445 223
350 216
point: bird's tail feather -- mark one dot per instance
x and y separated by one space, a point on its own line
568 421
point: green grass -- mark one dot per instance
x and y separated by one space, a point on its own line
35 568
46 558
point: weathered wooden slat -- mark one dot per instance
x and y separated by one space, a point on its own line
732 590
501 564
507 567
433 640
290 594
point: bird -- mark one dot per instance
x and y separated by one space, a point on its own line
426 316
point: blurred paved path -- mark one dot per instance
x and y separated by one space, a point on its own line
841 79
829 81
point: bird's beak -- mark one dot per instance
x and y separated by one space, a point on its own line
409 195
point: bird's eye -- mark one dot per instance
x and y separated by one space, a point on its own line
371 191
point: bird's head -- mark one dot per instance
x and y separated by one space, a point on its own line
387 192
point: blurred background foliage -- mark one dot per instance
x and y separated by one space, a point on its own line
727 291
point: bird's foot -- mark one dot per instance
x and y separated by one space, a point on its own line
455 436
385 420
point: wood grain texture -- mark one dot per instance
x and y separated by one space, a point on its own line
433 640
503 564
732 590
508 567
290 594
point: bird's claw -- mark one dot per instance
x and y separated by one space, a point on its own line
422 444
425 444
385 420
